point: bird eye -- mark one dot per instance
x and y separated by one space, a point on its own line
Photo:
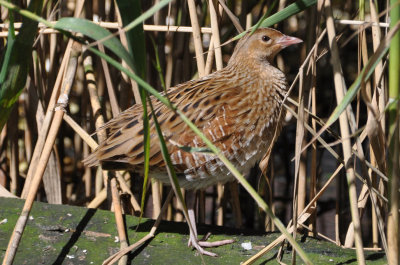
265 38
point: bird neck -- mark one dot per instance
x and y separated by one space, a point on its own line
259 69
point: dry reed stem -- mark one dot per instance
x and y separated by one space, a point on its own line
119 220
231 16
299 195
313 169
98 200
344 129
156 192
171 28
219 65
169 67
115 25
219 202
378 103
93 96
179 208
91 86
210 57
109 84
125 188
216 36
37 178
124 41
198 45
319 234
5 193
80 131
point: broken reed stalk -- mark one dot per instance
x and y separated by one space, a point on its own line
344 129
37 178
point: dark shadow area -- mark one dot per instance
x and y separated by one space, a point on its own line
348 262
375 256
133 254
75 235
182 228
269 260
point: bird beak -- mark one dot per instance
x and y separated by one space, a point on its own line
286 41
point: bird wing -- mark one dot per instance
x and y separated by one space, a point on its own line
204 102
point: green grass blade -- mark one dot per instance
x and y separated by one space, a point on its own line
15 63
288 11
131 11
95 32
264 17
147 14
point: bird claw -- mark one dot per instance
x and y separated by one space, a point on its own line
199 244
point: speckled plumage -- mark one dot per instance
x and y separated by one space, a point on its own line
237 108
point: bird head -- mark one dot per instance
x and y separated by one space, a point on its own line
262 45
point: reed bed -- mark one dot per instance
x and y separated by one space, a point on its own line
333 173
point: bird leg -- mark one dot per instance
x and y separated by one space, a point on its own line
193 240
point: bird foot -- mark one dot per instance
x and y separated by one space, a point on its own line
199 244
